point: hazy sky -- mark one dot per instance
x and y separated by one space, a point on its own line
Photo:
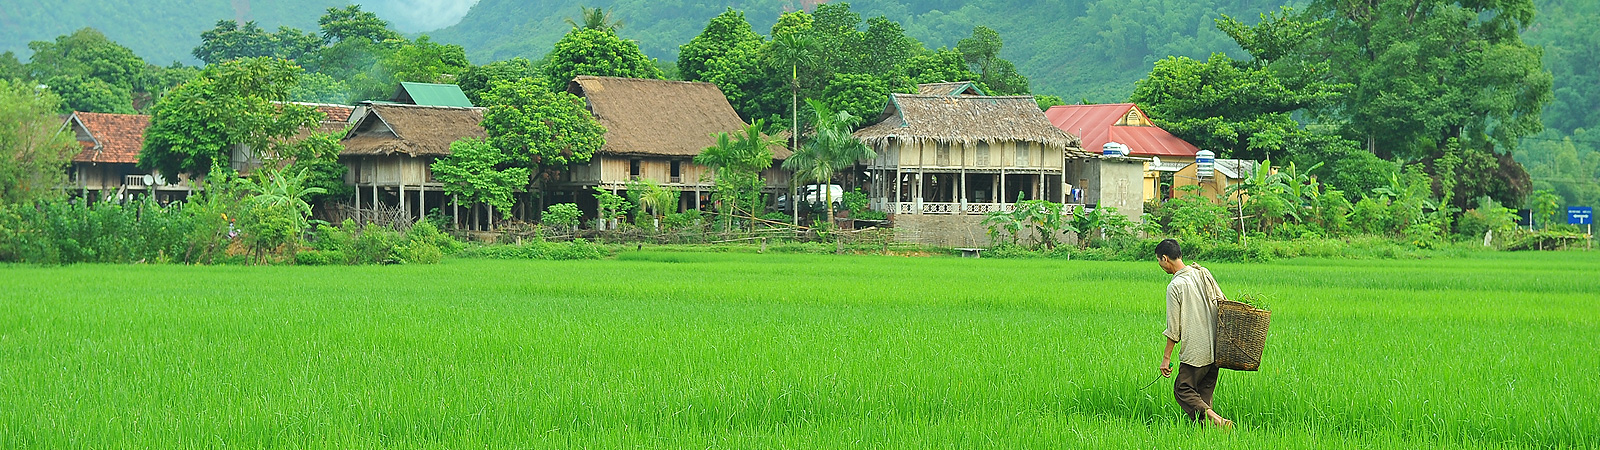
419 15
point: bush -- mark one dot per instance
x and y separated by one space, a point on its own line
562 216
553 251
320 258
684 220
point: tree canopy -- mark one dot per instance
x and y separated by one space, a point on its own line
229 104
587 51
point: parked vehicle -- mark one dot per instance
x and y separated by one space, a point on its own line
813 198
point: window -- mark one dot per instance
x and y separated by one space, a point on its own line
1023 150
633 168
982 154
677 171
941 156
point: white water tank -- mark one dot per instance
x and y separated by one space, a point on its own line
1113 150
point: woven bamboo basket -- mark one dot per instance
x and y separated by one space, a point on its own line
1241 335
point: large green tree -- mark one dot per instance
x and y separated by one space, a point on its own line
229 104
831 149
1425 71
477 80
982 53
90 95
228 40
86 53
728 54
538 128
33 151
479 173
596 52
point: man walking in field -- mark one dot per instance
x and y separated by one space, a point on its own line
1191 320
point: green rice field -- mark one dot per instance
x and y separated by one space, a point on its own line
725 350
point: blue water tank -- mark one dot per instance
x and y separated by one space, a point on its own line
1206 164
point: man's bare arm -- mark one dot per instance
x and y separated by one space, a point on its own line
1166 358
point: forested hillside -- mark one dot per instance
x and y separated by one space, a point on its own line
163 31
1077 49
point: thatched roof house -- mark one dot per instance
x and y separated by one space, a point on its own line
966 120
412 130
646 117
949 89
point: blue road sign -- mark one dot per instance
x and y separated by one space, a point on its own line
1580 215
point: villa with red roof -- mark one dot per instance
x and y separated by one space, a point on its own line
1126 124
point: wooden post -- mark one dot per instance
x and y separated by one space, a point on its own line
357 212
455 211
374 202
402 194
422 201
1000 188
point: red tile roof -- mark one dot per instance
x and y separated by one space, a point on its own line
336 113
1096 125
112 138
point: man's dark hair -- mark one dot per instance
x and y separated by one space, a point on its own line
1169 248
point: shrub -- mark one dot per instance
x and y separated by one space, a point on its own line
562 216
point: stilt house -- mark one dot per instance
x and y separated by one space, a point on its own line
389 150
654 129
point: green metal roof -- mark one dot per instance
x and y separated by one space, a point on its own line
429 94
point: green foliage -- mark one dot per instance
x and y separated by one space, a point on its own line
229 104
1547 210
736 162
861 95
1193 216
561 216
595 19
316 159
537 128
982 53
476 171
319 88
831 149
33 152
611 205
11 68
90 95
86 53
578 249
353 24
726 53
424 61
651 198
596 52
476 81
228 41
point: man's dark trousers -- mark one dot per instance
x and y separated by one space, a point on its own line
1193 389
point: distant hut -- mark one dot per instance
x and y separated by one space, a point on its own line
951 155
390 148
654 129
106 168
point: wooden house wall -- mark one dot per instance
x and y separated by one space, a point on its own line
999 155
392 170
617 170
102 176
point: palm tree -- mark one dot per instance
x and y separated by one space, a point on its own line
830 149
738 161
653 199
595 19
793 50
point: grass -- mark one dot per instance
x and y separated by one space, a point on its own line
725 350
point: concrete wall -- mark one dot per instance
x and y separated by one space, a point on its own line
1110 182
941 230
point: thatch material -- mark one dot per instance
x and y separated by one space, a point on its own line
413 130
658 117
955 88
967 120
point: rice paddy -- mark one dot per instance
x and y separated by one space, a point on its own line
713 350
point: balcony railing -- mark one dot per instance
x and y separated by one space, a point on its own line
953 208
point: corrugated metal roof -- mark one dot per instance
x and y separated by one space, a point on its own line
429 94
1096 124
